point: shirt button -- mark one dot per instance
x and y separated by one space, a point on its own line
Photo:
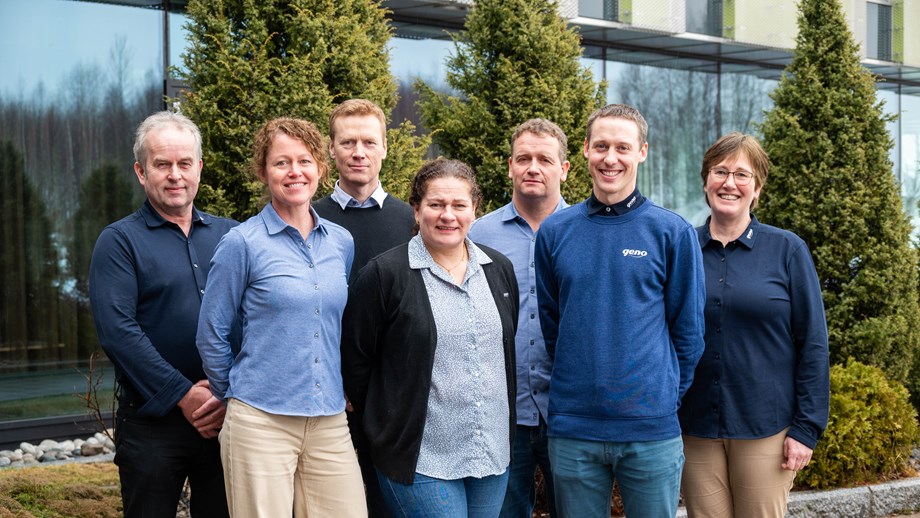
317 385
718 356
531 290
532 342
721 280
311 265
532 316
315 335
316 360
202 291
478 403
309 246
316 311
531 264
533 367
607 209
316 286
718 330
195 265
723 259
535 392
715 409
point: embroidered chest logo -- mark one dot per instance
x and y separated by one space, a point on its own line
628 252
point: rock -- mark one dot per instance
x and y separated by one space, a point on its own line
17 455
28 448
92 440
48 444
67 445
100 437
6 453
88 449
77 443
5 461
109 444
76 452
27 457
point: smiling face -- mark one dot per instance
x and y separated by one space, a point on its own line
730 202
171 171
358 146
614 153
445 213
291 173
535 166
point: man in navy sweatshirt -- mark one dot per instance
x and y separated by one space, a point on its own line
621 291
376 221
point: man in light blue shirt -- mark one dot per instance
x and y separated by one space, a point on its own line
537 167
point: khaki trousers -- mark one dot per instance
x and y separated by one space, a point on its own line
735 478
276 466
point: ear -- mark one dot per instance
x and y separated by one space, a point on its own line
509 167
643 152
565 171
139 171
584 149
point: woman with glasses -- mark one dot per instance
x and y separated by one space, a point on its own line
760 394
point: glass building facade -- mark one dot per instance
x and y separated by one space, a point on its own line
80 75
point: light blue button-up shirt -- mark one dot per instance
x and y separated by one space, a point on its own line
290 293
509 233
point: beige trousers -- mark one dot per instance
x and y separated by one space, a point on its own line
276 466
735 478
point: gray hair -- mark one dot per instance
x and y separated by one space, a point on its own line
157 121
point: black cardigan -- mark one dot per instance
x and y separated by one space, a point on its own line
388 344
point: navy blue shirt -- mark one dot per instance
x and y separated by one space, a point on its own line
146 282
765 366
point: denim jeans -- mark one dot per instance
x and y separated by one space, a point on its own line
648 474
154 456
529 451
468 497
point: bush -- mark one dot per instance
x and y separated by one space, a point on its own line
870 434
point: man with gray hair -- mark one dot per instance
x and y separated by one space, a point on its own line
147 278
537 167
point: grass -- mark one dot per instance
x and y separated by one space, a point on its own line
70 490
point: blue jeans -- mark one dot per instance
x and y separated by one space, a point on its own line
648 474
468 497
530 451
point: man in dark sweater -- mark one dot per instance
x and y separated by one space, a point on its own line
377 222
358 144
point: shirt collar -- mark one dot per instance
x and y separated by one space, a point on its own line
274 224
632 202
420 258
510 211
154 219
747 237
345 200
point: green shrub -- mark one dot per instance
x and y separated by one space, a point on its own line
870 434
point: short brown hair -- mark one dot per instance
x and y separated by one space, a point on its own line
357 108
734 144
297 129
542 127
621 111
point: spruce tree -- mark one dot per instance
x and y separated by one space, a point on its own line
251 61
832 183
514 60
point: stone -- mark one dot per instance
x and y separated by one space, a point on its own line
48 444
92 440
6 453
17 455
100 437
5 461
109 444
67 445
88 449
28 448
77 443
27 457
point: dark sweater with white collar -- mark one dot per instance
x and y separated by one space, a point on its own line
375 229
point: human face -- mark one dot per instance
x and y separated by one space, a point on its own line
172 171
614 153
358 148
445 213
728 201
535 168
291 174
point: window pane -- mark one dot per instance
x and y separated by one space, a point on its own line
704 17
69 105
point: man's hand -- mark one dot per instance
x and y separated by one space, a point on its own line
204 411
795 454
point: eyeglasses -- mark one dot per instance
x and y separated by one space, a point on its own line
742 177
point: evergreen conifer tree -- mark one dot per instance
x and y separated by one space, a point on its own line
251 61
514 60
832 183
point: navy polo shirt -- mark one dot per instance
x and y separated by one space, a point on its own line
765 366
147 279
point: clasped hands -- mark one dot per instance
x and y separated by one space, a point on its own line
204 411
